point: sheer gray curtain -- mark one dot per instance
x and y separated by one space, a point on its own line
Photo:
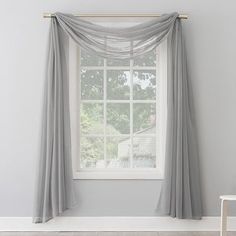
54 189
180 195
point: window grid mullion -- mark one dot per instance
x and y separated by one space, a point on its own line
105 108
79 113
117 67
157 103
119 101
117 135
131 109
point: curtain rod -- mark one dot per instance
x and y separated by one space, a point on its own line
50 15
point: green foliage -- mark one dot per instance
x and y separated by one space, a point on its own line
92 84
118 116
117 84
91 118
92 123
144 85
144 116
112 148
91 151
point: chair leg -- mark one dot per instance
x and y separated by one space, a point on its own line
223 229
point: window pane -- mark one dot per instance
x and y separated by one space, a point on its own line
144 116
144 84
118 152
92 84
144 152
91 118
118 84
88 59
118 118
149 59
114 62
92 150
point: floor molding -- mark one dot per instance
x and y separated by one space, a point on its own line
115 224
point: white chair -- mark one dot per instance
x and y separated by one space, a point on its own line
224 206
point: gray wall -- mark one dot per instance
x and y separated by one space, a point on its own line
211 38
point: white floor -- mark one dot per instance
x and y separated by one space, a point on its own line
114 234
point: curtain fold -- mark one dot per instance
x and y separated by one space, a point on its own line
55 193
180 194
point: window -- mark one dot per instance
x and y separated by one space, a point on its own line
118 110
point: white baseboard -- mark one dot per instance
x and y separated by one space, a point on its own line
115 224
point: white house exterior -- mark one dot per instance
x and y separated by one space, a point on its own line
144 148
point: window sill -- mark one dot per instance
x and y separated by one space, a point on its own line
118 174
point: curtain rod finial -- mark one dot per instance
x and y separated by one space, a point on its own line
47 15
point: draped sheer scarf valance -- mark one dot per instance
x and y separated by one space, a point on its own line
140 39
180 195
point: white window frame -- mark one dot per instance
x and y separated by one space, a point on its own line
161 105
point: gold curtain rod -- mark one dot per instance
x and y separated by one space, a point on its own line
50 15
